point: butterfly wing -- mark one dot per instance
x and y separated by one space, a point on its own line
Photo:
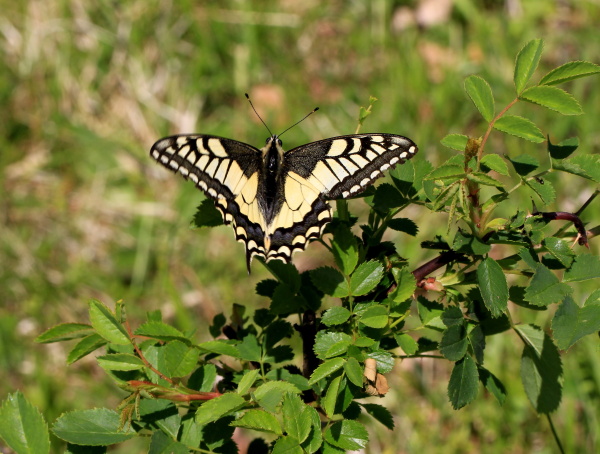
333 168
227 171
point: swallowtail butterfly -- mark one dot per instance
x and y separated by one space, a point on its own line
275 200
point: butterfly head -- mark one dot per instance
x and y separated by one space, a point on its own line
273 153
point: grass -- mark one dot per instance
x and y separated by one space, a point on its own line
86 89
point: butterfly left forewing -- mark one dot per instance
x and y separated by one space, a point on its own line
227 171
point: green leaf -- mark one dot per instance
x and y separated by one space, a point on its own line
270 394
527 62
179 360
213 409
330 281
483 179
519 127
453 316
161 331
455 141
260 420
404 225
207 215
347 434
96 427
328 402
326 369
570 71
335 316
106 325
297 420
380 413
493 286
553 98
344 249
585 266
563 149
85 346
480 93
469 244
524 164
560 250
161 443
544 190
406 285
493 385
326 341
365 278
545 288
447 173
64 332
375 317
120 361
541 369
454 343
220 347
249 348
571 322
407 343
387 197
162 413
248 379
22 426
287 445
462 387
495 163
430 313
354 371
315 437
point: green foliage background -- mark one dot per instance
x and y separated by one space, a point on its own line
86 88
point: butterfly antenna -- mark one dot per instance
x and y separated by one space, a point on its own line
305 117
252 105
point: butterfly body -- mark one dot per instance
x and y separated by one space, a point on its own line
276 200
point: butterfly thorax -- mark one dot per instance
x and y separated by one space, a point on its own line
270 183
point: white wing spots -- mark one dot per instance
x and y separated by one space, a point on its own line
212 167
190 157
412 150
365 182
374 174
403 155
394 160
359 160
217 149
165 159
339 171
174 165
371 155
212 192
393 147
323 215
378 148
349 165
377 138
194 178
201 183
233 177
337 147
345 194
181 141
240 232
185 172
299 239
155 154
385 167
315 230
355 188
221 172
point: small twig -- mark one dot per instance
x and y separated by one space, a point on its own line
141 355
564 216
441 260
308 333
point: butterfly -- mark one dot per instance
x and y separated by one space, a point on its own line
275 200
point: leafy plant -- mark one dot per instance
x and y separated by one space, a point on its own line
189 396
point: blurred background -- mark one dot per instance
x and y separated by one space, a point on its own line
87 87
